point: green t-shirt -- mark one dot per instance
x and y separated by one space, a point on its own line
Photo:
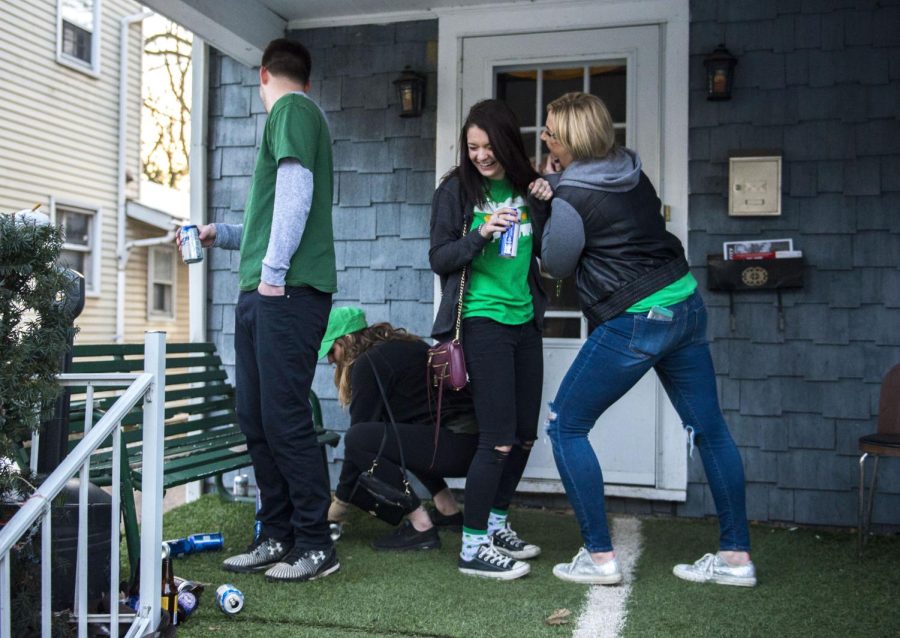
295 128
674 293
498 286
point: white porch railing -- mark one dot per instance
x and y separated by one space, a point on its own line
149 386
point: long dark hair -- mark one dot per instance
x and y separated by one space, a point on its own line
499 122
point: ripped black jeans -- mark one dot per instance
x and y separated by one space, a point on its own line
506 372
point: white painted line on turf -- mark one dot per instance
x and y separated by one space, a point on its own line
604 609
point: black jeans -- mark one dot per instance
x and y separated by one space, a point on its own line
361 443
506 374
276 340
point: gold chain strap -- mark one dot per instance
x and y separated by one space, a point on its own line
462 288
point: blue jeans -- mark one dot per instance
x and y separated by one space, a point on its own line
615 357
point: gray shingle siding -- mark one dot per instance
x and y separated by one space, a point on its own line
384 176
819 81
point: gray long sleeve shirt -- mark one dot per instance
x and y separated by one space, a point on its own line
293 199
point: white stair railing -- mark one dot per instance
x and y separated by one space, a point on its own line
148 386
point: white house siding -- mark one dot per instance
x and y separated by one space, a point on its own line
58 130
136 292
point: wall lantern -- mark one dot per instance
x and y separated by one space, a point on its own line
411 90
719 73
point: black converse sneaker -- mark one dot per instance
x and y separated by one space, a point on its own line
263 553
406 537
508 542
446 522
305 564
489 563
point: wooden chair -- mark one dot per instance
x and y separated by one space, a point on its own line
885 442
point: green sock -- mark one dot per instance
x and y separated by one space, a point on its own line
496 520
472 539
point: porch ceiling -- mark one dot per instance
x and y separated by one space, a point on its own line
242 28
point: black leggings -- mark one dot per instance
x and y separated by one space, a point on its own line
506 372
454 453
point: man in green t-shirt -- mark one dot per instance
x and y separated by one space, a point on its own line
287 276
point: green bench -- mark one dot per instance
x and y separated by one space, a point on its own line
202 438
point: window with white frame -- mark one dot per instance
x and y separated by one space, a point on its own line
161 273
80 250
78 34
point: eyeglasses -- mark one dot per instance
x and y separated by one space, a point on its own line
548 133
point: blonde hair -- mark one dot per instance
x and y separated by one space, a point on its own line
354 345
583 125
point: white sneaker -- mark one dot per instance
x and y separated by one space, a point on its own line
583 569
713 569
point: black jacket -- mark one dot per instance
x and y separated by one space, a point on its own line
401 367
626 252
450 252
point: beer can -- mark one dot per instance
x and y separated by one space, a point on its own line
187 603
207 542
229 598
191 249
509 239
241 485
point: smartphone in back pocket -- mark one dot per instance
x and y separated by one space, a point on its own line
660 314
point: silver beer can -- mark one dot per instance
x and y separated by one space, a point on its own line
241 485
191 249
229 598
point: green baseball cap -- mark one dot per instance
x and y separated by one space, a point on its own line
343 320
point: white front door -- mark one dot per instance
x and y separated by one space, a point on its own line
527 71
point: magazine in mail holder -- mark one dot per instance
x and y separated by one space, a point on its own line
740 275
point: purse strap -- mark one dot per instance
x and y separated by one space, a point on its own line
387 407
456 335
462 289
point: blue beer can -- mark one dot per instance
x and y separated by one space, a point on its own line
509 238
207 542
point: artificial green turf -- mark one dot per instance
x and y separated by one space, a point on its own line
809 584
379 594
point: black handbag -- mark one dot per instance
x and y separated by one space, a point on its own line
381 499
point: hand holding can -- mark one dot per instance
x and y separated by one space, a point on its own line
509 238
189 240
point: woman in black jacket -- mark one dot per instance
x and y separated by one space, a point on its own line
641 302
503 305
359 352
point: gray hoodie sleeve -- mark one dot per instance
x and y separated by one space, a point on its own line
228 236
562 241
293 200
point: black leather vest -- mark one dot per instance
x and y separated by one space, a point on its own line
628 253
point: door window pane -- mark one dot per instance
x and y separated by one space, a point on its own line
560 81
519 90
608 83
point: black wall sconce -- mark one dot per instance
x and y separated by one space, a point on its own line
719 73
411 90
